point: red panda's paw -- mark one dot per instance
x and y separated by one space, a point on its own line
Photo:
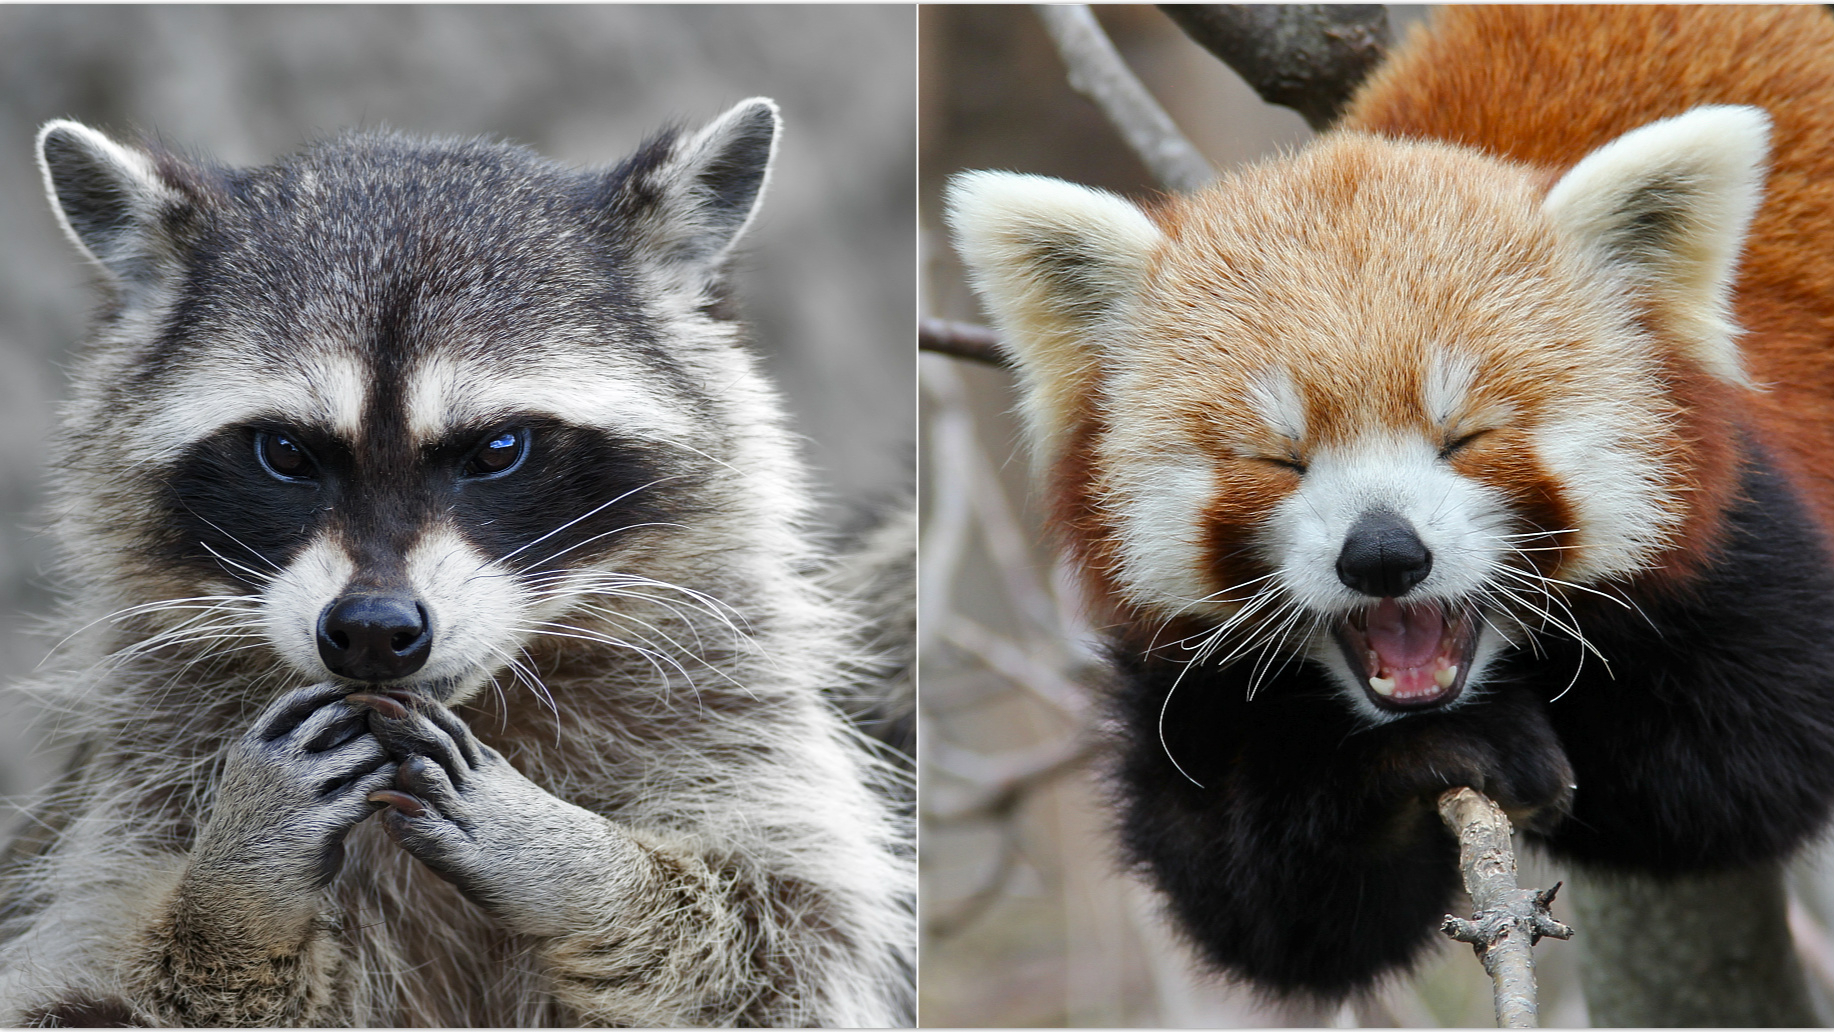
1505 749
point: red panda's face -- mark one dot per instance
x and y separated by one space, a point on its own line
1385 406
1379 434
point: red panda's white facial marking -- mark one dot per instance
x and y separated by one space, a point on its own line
1419 648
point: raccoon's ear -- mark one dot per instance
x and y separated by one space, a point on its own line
690 202
110 199
1669 206
1050 260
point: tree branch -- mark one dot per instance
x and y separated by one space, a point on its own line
1097 72
1507 921
962 340
1308 57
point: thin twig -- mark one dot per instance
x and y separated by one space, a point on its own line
962 340
1507 921
1097 72
1308 57
1004 784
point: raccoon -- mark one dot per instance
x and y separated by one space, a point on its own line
449 640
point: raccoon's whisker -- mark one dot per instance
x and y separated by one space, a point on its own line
502 703
604 579
231 537
121 614
606 613
595 510
595 537
584 634
529 678
649 654
621 593
648 647
188 631
255 577
713 606
622 584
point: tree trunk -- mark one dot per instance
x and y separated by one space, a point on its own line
1710 950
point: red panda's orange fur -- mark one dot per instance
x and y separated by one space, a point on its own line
1547 85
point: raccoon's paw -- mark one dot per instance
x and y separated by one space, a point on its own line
293 787
539 864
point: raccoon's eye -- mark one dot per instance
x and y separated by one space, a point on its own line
1460 444
283 456
499 454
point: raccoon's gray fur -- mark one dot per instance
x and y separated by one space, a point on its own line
450 653
879 575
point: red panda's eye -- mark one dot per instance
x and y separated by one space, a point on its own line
1295 464
1457 445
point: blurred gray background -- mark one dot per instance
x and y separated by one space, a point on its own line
827 276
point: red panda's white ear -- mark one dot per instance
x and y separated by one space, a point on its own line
1051 261
1668 206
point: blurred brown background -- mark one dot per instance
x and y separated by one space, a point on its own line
826 274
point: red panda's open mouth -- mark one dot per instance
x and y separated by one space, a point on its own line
1409 655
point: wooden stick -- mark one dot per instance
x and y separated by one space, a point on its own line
1097 72
1508 920
962 340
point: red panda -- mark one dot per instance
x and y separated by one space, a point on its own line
1459 448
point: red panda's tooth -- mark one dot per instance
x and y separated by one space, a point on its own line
1383 686
1444 676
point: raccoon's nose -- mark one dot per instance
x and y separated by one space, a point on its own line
374 637
1383 556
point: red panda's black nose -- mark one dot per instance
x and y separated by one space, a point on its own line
1382 556
374 637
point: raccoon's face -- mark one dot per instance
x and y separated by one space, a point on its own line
390 410
418 559
1383 406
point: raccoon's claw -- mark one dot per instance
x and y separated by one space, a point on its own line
399 800
385 704
428 730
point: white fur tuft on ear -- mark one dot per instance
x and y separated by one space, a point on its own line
1050 260
106 196
1668 206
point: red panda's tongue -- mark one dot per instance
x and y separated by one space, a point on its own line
1405 636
